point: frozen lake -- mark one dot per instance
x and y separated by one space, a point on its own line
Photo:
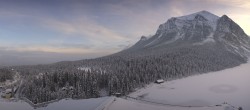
230 85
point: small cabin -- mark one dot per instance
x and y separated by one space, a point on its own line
159 81
117 94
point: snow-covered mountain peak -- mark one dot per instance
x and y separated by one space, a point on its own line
209 16
189 21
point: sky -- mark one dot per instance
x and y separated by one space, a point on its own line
47 31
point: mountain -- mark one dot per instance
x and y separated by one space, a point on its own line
197 43
198 29
193 44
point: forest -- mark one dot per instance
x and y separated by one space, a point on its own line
6 74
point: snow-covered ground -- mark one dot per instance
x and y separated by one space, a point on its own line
85 104
123 104
230 85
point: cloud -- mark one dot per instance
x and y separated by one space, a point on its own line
98 39
10 56
84 28
141 17
232 3
61 49
238 11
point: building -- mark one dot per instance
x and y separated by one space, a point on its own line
159 81
117 94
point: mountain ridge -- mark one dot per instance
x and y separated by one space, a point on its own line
198 29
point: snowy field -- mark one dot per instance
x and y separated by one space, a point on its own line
123 104
85 104
230 85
